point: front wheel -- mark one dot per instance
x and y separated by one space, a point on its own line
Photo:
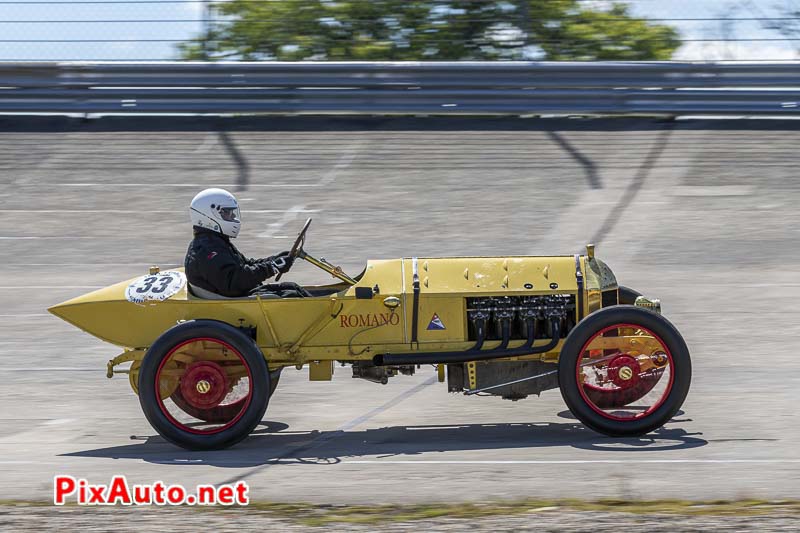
615 354
204 385
627 296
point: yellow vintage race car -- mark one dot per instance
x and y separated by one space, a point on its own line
204 366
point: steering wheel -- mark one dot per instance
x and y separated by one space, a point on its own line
298 245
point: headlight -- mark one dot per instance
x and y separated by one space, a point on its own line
653 304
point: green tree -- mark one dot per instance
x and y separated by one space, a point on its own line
294 30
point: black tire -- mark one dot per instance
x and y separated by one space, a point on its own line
627 296
274 378
607 317
253 358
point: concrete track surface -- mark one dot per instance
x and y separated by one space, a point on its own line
702 214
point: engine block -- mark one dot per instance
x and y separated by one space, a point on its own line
494 310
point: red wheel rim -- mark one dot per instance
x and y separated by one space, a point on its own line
213 389
625 385
204 384
217 415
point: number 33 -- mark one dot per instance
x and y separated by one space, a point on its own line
149 281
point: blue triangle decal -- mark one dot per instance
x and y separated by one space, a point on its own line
436 323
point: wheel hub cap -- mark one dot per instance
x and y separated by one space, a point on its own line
204 384
623 371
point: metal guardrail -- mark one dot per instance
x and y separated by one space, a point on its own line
403 88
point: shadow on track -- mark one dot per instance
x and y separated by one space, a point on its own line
271 444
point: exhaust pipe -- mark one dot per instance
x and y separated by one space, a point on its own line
480 328
506 335
475 353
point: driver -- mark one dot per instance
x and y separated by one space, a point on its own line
213 263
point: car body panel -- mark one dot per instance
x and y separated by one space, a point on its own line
340 325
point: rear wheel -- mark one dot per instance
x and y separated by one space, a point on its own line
213 385
219 413
624 371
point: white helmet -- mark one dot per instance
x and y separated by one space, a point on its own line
217 210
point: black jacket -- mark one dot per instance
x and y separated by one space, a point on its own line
213 263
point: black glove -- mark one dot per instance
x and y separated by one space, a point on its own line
282 262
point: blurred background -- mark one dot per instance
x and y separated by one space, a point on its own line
157 30
664 132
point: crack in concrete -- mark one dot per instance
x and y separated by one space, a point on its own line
588 165
635 186
242 166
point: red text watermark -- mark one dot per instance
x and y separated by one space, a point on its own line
119 492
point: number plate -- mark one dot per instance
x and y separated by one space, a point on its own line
155 286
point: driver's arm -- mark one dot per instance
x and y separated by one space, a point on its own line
281 262
234 277
273 259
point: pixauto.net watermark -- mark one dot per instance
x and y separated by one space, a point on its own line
68 489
